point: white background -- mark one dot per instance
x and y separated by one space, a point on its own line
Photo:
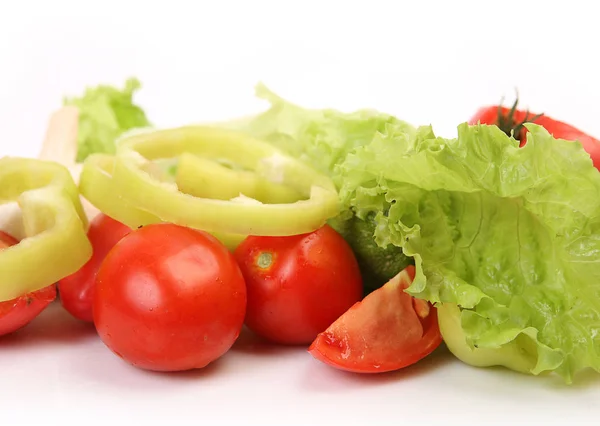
427 62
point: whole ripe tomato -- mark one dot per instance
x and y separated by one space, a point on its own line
169 298
17 313
386 331
512 120
298 285
76 291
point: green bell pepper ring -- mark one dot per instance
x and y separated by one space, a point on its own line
55 243
203 177
95 185
131 183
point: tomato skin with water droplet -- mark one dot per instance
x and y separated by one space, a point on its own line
17 313
169 298
298 285
386 331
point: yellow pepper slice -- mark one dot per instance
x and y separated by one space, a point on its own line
96 186
132 184
55 243
203 177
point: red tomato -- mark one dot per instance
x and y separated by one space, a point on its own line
512 119
298 285
169 298
386 331
17 313
76 291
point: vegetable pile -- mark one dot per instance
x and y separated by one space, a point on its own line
363 238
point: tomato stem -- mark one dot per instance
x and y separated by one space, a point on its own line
265 260
509 125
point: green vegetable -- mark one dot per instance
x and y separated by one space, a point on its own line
520 354
323 138
509 236
135 190
378 265
95 184
105 113
203 177
55 243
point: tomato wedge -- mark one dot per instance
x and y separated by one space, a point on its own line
386 331
17 313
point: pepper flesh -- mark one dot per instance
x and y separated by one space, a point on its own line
202 177
96 186
55 243
132 184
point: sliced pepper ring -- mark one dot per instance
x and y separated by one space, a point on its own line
131 183
96 186
203 177
55 243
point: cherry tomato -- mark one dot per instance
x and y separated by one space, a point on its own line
512 119
298 285
169 298
386 331
76 291
17 313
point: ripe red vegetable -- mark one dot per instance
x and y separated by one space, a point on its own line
298 285
386 331
511 120
77 290
169 298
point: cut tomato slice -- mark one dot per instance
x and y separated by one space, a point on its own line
388 330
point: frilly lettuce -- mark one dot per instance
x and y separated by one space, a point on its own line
105 113
508 236
322 137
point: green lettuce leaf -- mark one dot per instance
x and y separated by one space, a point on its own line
105 113
323 138
509 235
